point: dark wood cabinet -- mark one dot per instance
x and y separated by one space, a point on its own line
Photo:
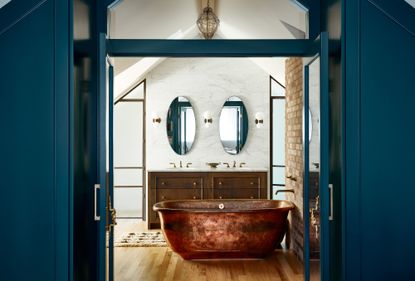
203 185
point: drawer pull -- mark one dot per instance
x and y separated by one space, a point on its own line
220 197
220 183
163 183
163 197
194 197
194 183
252 183
252 197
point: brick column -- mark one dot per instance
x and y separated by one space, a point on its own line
294 148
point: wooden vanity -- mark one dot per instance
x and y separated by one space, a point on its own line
203 185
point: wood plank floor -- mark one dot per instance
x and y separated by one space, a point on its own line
160 263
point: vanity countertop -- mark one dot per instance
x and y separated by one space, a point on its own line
210 170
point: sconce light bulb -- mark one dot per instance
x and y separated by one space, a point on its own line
259 119
156 119
207 119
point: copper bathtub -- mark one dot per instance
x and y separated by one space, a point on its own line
215 229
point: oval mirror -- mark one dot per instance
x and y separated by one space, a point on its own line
181 125
233 125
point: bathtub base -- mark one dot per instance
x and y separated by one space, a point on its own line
222 255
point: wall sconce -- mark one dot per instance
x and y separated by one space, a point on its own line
259 119
207 119
156 119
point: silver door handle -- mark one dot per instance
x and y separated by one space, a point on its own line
96 217
331 216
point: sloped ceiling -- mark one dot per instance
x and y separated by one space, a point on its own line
239 19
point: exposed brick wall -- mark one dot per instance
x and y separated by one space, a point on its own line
294 148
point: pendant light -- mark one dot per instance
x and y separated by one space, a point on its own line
208 22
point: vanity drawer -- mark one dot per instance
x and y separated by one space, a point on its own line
236 193
163 194
179 182
236 182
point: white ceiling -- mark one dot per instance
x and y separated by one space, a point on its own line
240 19
3 3
175 19
411 2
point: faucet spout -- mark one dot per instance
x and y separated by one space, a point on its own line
284 190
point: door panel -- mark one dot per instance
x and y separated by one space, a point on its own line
111 213
34 143
317 203
387 150
102 160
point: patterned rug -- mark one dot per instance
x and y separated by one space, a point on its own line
141 239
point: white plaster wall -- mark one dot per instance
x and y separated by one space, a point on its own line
207 83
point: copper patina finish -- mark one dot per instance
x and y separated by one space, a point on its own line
223 229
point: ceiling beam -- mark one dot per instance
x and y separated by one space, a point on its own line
210 48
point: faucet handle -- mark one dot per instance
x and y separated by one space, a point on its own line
174 164
241 164
181 165
227 164
234 164
188 164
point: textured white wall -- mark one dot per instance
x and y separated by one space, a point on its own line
207 83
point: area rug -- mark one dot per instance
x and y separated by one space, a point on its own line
141 239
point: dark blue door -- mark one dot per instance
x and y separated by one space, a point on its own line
317 191
35 136
379 134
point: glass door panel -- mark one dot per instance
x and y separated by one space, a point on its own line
129 154
316 164
278 139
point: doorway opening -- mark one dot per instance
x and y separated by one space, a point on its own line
159 113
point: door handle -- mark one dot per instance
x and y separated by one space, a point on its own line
96 217
331 216
113 214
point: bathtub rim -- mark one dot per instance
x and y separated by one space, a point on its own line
159 208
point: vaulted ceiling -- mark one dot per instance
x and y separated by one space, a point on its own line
176 19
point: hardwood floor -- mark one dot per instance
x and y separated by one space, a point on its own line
160 263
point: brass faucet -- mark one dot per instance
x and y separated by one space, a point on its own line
181 165
284 190
234 164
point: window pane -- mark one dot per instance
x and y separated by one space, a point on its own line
278 131
128 134
276 89
136 93
278 175
128 177
128 202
